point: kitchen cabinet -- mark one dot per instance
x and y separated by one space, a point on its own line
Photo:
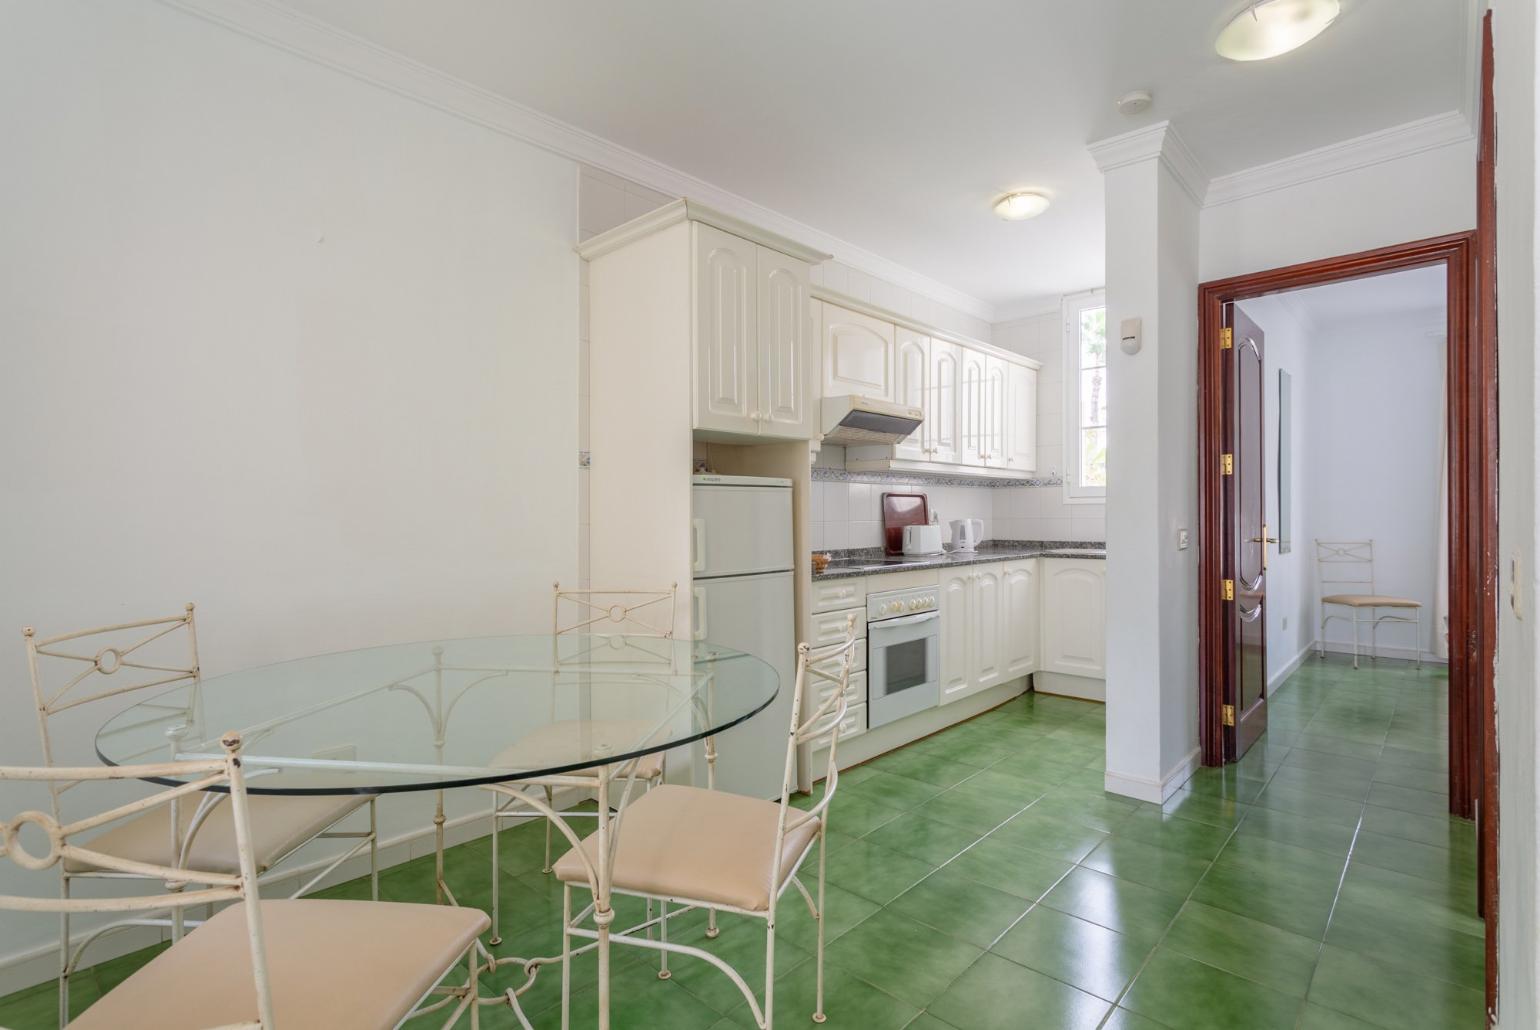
857 354
988 669
1019 626
956 634
1021 418
972 418
911 386
940 425
994 412
753 341
1074 599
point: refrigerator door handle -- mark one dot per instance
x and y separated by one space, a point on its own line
698 544
697 613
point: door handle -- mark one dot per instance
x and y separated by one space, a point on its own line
698 544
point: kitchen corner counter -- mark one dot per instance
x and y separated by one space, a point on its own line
871 562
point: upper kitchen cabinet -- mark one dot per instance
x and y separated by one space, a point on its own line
979 402
858 355
753 358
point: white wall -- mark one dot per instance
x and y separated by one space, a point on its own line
1290 577
1374 437
1408 198
1518 981
277 341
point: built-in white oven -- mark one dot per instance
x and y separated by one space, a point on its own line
903 654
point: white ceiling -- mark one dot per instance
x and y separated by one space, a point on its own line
1417 295
892 124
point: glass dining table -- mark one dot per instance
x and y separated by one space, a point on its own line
448 714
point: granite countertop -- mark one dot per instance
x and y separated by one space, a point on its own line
871 561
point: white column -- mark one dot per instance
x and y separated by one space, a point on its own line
1153 192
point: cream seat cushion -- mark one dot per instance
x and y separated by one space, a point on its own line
279 824
699 845
1371 601
343 965
559 743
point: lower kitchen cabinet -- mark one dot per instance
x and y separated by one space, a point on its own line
1020 629
1074 637
988 626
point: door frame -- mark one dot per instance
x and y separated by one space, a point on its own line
1471 405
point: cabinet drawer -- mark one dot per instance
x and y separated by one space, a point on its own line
855 692
820 656
829 627
838 593
853 725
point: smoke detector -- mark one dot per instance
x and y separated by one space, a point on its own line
1135 102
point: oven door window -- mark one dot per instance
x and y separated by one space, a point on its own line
906 666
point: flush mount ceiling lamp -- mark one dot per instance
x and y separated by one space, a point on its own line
1272 27
1015 207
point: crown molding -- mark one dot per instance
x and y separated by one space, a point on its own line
686 209
1416 137
325 44
1161 141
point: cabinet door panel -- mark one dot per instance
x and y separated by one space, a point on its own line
857 354
911 386
995 371
1021 418
726 327
941 406
956 635
1075 617
786 376
988 665
1019 628
972 418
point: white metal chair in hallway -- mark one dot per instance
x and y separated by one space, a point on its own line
95 665
1346 575
345 965
584 623
698 848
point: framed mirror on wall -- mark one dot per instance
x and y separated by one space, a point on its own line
1285 459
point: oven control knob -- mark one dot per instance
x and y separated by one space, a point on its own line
893 606
914 605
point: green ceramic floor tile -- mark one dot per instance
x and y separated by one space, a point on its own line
1123 1019
1420 945
996 993
1182 992
859 816
888 789
1197 840
1425 861
1085 955
1434 781
933 769
1049 835
640 999
926 1021
1298 904
741 946
1313 1017
1225 782
1017 871
1016 789
1117 904
903 958
1328 838
975 809
961 907
1388 997
1094 808
1445 904
874 872
1321 807
1245 947
842 911
1136 860
1204 808
920 837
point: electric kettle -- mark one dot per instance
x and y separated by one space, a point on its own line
966 533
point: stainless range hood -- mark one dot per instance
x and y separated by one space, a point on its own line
853 419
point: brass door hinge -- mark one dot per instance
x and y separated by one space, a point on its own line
1229 715
1226 338
1227 589
1227 464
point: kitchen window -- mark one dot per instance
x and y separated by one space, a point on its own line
1085 397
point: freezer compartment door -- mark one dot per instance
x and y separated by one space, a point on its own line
752 614
738 530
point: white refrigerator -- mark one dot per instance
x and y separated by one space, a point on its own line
742 599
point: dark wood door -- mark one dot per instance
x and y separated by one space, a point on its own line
1246 536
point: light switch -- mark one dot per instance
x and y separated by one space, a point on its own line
1182 539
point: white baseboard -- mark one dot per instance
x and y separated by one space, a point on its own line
39 964
1084 688
1403 653
1155 792
866 746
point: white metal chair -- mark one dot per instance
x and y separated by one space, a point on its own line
256 964
111 661
698 848
1346 573
583 624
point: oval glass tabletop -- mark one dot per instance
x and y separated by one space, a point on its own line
449 713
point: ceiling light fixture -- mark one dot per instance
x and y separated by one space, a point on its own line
1272 27
1014 207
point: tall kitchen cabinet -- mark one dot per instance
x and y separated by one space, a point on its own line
700 327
